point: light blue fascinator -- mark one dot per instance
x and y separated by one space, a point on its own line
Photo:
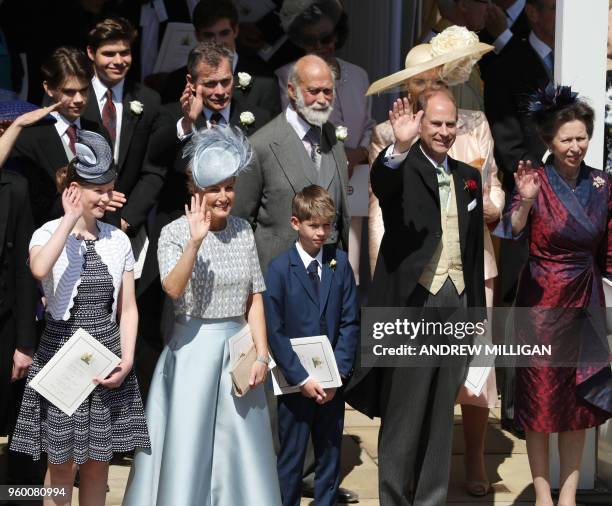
93 162
216 154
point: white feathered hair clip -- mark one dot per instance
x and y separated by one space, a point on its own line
216 154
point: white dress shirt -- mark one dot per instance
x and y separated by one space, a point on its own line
61 125
393 161
512 14
300 125
539 46
117 90
306 259
225 114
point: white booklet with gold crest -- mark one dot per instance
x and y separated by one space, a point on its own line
67 379
317 357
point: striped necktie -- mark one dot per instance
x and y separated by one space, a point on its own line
71 132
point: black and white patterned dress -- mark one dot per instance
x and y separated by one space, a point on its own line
109 420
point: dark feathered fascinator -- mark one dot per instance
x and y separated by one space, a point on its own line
549 100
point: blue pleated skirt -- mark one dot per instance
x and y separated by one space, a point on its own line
208 448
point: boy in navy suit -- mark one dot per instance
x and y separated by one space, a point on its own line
311 291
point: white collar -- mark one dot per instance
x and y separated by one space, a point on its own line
234 62
306 258
299 124
539 46
514 11
433 162
100 90
62 124
224 112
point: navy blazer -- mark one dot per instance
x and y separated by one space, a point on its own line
292 310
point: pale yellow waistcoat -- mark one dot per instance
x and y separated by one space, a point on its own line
446 260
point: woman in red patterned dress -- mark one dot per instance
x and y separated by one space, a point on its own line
564 210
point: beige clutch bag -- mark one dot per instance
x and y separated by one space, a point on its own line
241 372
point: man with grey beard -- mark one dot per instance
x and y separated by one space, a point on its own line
296 149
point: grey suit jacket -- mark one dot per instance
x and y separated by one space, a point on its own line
279 170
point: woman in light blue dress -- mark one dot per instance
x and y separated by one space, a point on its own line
208 447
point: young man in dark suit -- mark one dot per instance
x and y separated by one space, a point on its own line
310 291
129 113
431 256
217 20
41 149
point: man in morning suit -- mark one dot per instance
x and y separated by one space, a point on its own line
129 113
208 99
217 20
310 291
296 149
431 256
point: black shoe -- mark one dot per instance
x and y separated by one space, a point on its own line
508 425
345 496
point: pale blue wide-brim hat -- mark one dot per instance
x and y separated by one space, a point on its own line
93 161
217 154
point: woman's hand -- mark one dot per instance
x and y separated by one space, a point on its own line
405 124
71 202
198 219
490 210
527 180
258 374
117 376
22 359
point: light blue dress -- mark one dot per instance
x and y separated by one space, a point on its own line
208 448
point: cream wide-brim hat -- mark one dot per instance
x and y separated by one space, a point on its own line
420 59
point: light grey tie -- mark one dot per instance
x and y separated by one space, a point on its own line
313 136
443 186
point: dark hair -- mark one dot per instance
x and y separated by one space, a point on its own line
109 30
66 62
313 202
208 12
548 124
313 14
210 52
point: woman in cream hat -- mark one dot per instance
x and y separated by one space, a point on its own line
448 60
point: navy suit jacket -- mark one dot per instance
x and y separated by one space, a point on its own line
293 310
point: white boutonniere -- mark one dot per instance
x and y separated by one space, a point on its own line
247 118
244 80
341 133
598 181
136 107
332 264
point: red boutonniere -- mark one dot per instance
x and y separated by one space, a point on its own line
471 186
